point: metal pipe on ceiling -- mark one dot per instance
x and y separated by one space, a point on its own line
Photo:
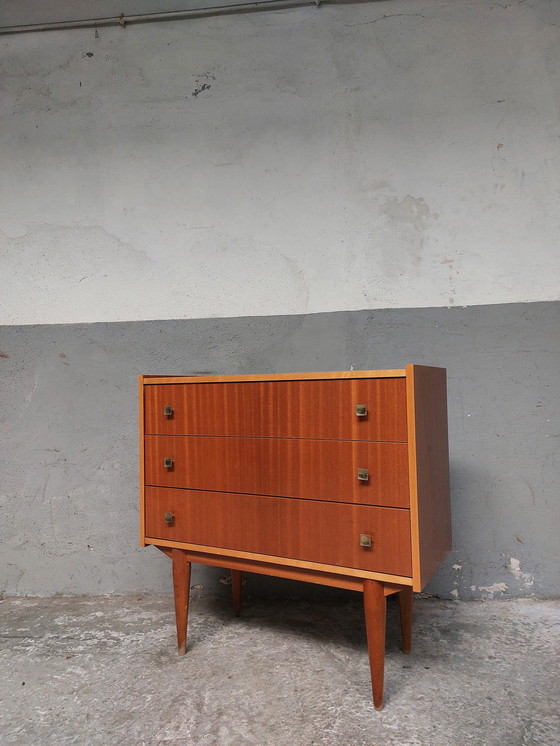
173 15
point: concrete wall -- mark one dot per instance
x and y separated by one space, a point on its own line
382 155
69 447
253 183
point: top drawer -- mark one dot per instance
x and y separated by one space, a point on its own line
280 409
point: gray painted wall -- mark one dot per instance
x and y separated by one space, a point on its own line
391 154
68 446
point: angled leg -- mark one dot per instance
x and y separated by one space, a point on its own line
181 587
405 609
375 608
236 578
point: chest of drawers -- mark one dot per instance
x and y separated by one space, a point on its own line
340 479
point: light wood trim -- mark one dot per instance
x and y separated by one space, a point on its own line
398 373
280 562
141 460
413 482
290 573
430 516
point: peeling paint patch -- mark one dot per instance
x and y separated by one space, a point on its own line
456 567
202 87
494 588
203 83
514 566
454 593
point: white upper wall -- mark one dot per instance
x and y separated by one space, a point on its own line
393 154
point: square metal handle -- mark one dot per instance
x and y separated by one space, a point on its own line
363 475
168 410
365 541
168 463
361 410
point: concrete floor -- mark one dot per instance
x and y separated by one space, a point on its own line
103 671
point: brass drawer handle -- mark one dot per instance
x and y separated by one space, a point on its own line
361 410
168 463
363 475
168 518
365 541
168 410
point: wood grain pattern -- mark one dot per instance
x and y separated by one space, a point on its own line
281 566
428 470
405 611
302 529
375 608
281 409
311 469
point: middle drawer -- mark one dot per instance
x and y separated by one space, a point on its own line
341 471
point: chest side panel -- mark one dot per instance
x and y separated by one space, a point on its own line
429 471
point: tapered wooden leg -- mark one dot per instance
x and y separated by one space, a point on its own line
375 608
405 609
181 587
236 578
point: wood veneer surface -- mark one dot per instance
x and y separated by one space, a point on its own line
283 409
311 469
300 529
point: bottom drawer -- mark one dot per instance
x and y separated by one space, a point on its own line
310 530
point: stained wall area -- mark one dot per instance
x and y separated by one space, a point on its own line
357 185
393 154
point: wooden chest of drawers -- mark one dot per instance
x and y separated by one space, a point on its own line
334 478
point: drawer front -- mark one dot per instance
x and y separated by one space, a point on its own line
298 529
311 469
283 409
